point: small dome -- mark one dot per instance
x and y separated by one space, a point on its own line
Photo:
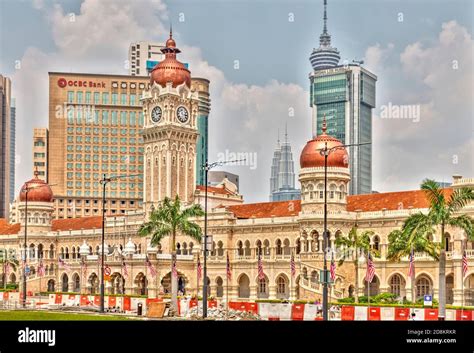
84 249
170 69
38 190
312 157
129 247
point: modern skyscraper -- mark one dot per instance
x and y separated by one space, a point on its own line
7 146
94 129
201 86
282 178
345 94
12 149
40 153
143 56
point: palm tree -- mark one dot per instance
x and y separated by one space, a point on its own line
360 243
169 220
417 227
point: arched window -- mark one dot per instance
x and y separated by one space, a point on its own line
321 191
286 247
178 249
314 276
240 250
332 191
219 287
40 251
185 248
376 243
279 250
447 239
281 287
51 251
266 247
396 285
258 249
73 252
32 251
341 192
62 253
244 286
220 248
298 246
262 290
423 287
191 246
247 248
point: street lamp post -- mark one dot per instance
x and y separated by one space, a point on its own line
104 181
208 166
325 152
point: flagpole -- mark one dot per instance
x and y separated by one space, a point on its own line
368 285
462 281
412 278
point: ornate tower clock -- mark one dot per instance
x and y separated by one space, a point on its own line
170 110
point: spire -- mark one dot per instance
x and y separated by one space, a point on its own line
325 18
278 139
286 132
171 29
325 56
324 127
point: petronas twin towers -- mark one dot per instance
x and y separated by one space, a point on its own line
282 179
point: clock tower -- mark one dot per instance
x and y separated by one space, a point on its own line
170 132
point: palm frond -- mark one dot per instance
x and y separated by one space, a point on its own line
464 222
434 193
460 198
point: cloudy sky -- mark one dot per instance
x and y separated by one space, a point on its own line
256 55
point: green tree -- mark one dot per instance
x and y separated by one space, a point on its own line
443 212
171 219
4 261
353 245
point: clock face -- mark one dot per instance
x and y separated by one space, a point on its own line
156 114
182 114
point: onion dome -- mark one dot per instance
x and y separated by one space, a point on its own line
84 249
170 69
312 157
38 190
129 247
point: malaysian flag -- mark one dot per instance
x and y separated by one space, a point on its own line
293 266
150 267
124 269
228 269
41 270
411 269
175 271
465 267
332 269
261 275
63 264
199 268
369 276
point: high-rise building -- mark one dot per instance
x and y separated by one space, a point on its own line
12 149
7 146
94 129
282 176
40 153
201 86
143 57
345 94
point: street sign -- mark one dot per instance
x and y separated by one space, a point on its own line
209 240
327 279
107 271
27 270
428 300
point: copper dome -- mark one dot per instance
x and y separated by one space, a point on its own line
311 155
170 69
38 191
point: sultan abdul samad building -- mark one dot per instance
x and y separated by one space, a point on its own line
273 229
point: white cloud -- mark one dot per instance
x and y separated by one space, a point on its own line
243 118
